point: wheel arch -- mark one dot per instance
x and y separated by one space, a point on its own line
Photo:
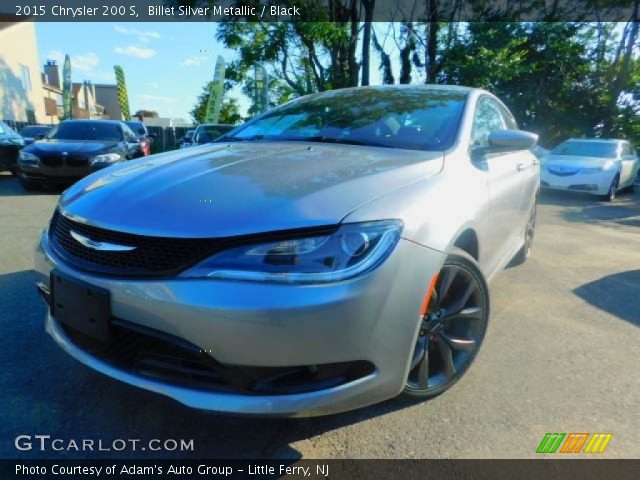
467 240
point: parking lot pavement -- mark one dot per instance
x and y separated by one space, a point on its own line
561 355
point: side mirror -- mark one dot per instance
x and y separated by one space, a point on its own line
510 140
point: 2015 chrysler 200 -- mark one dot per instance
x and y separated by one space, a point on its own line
327 255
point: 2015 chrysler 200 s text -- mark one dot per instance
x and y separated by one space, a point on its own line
327 255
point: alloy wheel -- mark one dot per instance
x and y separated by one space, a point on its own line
452 330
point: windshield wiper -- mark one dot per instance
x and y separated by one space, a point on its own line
240 139
345 141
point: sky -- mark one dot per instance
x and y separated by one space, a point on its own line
166 65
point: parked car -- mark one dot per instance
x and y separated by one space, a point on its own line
75 148
31 133
10 145
187 139
591 165
540 152
208 132
329 254
144 137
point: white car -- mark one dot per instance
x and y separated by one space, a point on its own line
591 165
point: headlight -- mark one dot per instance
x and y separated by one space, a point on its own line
106 158
27 158
351 250
592 170
608 165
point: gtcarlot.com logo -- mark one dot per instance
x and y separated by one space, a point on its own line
574 442
45 443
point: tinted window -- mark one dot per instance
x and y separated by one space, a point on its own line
208 133
6 129
626 149
587 149
87 131
32 131
487 119
137 127
413 118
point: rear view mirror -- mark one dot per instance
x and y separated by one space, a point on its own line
509 140
39 136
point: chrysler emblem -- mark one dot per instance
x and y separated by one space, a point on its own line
102 246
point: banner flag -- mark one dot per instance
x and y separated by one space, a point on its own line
123 98
214 103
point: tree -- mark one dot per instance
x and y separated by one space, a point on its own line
146 113
229 111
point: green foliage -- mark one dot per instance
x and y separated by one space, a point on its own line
229 112
560 79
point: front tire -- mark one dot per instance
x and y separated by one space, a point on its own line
29 183
611 194
453 329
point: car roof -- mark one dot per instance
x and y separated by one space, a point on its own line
87 120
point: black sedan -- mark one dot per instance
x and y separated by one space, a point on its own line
10 145
75 148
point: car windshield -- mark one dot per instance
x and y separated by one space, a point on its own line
5 129
137 127
587 149
408 118
32 131
208 133
86 131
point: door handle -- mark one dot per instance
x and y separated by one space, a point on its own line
522 166
536 162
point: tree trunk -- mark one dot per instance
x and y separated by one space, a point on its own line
368 6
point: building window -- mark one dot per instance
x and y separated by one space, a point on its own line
26 78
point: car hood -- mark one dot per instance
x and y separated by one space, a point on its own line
574 161
86 147
232 189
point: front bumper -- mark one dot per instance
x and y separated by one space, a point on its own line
373 318
593 183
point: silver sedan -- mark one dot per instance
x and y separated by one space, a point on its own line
331 253
591 165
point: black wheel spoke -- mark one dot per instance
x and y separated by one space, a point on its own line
462 344
460 302
447 276
446 355
423 369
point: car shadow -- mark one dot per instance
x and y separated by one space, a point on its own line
616 294
46 391
10 187
580 207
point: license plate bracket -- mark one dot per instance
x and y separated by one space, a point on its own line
81 306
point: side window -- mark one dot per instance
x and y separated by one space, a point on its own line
487 119
509 121
626 149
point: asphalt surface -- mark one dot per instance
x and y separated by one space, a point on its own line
561 355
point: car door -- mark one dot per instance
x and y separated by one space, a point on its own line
528 165
504 180
628 165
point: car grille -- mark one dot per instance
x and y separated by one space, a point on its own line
59 161
562 173
153 354
152 256
51 161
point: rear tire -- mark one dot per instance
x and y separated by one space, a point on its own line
452 331
529 232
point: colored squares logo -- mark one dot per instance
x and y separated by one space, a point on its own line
574 442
